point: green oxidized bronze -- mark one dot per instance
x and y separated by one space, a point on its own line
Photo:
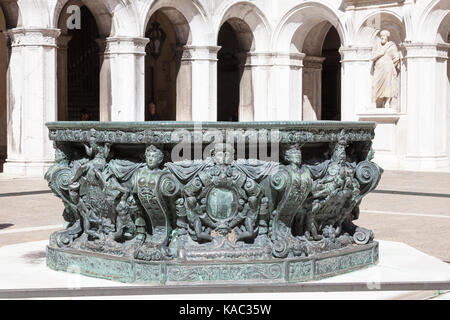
135 215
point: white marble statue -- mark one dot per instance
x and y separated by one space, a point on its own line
386 67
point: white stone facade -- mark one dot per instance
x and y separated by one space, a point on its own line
281 54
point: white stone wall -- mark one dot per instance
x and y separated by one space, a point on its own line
280 67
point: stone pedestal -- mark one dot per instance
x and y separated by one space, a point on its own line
32 100
357 103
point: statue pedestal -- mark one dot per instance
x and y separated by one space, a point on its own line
265 271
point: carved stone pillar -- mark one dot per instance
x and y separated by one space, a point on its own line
356 92
312 88
427 96
122 84
259 64
286 87
254 68
104 94
63 43
246 106
197 84
32 100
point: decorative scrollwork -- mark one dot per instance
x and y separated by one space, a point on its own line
169 186
368 175
140 205
62 178
280 248
278 181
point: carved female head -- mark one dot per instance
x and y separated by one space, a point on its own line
294 155
153 156
384 36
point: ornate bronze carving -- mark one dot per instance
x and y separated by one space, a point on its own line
124 197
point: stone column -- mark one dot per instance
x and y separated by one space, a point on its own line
356 81
32 100
254 86
122 84
104 82
427 96
197 84
312 88
246 94
63 43
285 93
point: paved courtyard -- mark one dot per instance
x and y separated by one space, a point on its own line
409 207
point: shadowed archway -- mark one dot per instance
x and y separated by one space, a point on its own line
79 68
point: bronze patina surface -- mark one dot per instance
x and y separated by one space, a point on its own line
134 213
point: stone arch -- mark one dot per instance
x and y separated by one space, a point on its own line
243 33
79 60
297 23
373 23
315 31
187 17
443 32
99 9
168 76
434 21
250 23
11 14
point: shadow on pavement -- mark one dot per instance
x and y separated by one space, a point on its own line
5 225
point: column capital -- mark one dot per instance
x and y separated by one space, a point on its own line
426 50
191 53
313 62
355 54
33 37
288 59
125 45
259 59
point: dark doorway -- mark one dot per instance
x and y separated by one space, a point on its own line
228 75
161 69
83 68
331 77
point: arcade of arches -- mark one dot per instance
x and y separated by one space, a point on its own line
227 60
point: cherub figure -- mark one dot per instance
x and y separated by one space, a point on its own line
125 227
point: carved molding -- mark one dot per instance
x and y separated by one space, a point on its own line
426 50
198 53
33 37
313 62
293 60
355 54
125 45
